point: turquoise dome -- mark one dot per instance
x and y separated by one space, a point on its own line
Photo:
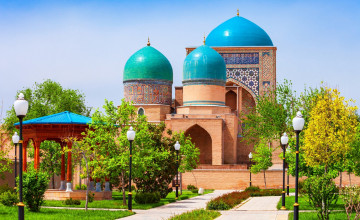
204 66
148 64
238 31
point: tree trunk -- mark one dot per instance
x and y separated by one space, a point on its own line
123 187
53 180
265 179
340 179
88 178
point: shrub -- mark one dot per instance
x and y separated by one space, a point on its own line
217 205
146 198
322 192
34 186
83 187
252 189
194 190
72 201
266 192
191 187
351 197
5 188
91 197
302 188
230 199
9 198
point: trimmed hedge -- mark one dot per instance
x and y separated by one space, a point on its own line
72 201
146 198
9 198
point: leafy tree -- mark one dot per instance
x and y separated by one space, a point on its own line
156 162
331 130
44 99
262 159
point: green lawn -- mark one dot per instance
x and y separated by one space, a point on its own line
197 214
305 205
10 213
313 216
116 203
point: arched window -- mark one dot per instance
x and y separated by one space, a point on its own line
141 111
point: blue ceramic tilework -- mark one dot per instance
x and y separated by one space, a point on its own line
247 76
146 93
241 58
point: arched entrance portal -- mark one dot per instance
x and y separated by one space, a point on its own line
202 140
230 100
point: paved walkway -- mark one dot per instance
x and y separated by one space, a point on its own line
166 211
256 208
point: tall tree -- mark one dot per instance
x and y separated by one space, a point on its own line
44 99
331 130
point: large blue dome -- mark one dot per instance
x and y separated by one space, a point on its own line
204 66
238 31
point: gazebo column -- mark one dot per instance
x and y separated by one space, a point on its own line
98 185
63 182
37 154
107 184
69 167
24 155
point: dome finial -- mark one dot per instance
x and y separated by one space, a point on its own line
148 43
204 38
237 12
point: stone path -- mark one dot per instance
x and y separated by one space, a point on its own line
256 208
166 211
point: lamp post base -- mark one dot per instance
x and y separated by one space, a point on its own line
69 187
283 208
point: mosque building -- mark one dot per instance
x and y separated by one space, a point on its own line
221 79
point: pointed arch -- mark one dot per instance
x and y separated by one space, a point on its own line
230 100
202 140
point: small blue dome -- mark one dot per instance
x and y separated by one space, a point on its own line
204 66
238 31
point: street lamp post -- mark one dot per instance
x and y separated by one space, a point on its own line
177 148
288 150
15 139
250 157
130 136
21 107
284 141
298 125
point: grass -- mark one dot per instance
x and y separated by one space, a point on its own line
313 216
305 205
197 214
116 202
10 213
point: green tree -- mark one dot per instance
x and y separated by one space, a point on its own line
262 159
331 130
44 99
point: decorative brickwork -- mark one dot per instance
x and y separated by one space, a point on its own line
148 92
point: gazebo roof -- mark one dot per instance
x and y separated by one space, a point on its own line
65 117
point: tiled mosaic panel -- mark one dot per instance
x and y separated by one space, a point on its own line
141 93
241 58
246 76
266 65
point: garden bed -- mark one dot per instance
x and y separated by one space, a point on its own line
197 214
230 200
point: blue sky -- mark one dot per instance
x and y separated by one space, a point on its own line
84 44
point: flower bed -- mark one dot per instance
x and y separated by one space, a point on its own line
230 200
